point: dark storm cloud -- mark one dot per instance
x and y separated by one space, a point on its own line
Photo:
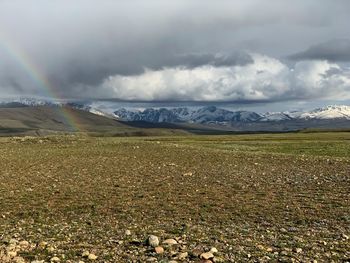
337 50
80 44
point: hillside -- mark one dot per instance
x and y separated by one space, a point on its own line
42 120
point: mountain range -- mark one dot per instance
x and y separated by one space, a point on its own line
212 114
210 117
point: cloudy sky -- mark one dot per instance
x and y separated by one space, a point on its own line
252 51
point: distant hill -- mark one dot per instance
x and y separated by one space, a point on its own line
43 120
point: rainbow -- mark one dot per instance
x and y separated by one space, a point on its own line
37 76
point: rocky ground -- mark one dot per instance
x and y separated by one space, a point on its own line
80 199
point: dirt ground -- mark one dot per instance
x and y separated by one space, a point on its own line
255 198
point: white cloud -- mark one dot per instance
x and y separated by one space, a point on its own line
265 79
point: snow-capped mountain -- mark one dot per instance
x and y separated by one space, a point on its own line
30 102
276 116
212 114
329 112
205 115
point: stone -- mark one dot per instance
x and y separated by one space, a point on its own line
217 260
153 241
85 254
42 244
55 259
13 241
298 250
127 232
170 242
12 254
207 255
214 250
19 260
50 249
159 250
182 256
24 244
92 257
196 252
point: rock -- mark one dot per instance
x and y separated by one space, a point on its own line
24 244
170 242
214 250
159 250
19 260
298 250
182 256
50 249
85 254
217 260
127 232
196 252
207 255
12 254
345 236
55 259
153 241
42 244
92 257
187 174
13 241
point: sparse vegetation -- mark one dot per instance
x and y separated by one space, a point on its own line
274 197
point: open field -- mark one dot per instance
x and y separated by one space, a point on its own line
256 198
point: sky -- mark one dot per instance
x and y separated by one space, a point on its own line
261 53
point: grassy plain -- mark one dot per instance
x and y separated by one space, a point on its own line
267 197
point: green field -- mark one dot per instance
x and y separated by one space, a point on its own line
256 198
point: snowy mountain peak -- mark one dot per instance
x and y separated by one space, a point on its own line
328 112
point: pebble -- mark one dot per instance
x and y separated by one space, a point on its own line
12 254
214 250
127 232
92 257
55 259
19 260
159 250
50 249
85 254
42 244
207 255
153 241
170 241
24 243
182 256
298 250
